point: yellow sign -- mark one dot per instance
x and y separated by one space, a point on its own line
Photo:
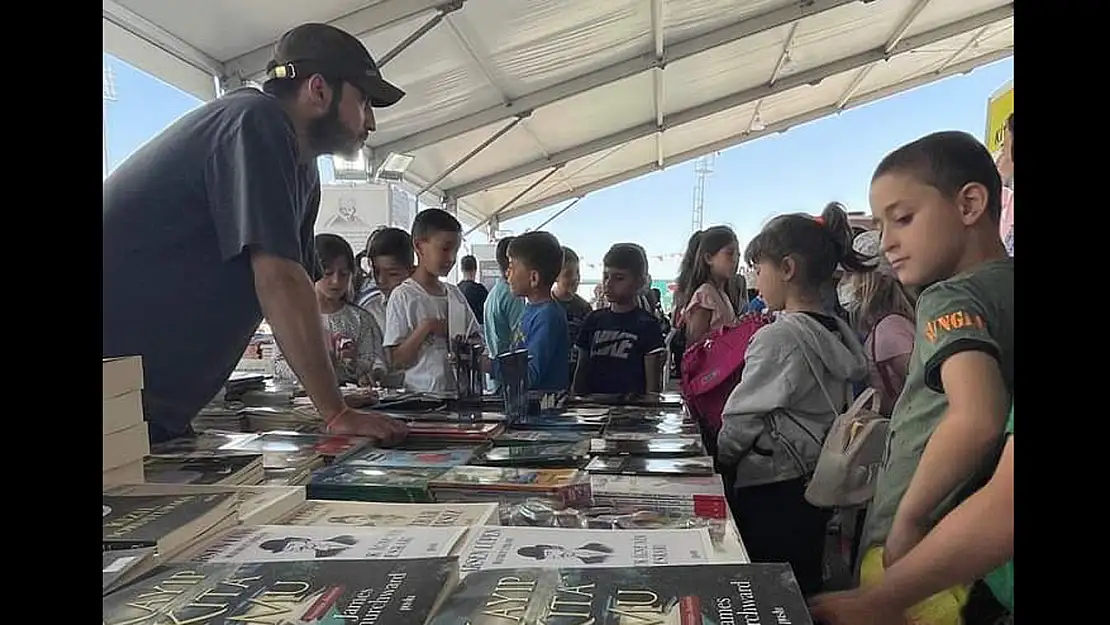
999 107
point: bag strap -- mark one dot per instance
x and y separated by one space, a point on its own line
816 374
888 387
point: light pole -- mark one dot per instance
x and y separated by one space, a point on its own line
109 95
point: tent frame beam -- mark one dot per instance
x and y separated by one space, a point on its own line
773 128
612 73
812 77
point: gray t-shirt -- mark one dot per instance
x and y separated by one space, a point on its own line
179 216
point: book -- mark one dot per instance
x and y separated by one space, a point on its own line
497 547
258 505
707 594
666 447
636 465
403 458
477 432
565 487
316 592
539 437
225 468
554 455
699 496
125 564
352 483
282 449
166 522
365 514
268 543
204 444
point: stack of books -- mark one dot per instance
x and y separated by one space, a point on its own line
125 434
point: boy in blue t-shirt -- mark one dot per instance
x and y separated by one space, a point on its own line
620 347
535 260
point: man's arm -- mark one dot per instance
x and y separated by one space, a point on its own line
289 304
974 539
967 434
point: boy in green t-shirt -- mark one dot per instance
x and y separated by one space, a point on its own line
937 202
975 537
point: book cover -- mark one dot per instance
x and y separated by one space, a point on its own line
258 505
365 514
316 592
708 594
651 428
569 455
507 478
135 521
539 437
291 449
223 469
118 564
497 547
268 543
636 465
672 447
204 444
403 458
352 483
455 431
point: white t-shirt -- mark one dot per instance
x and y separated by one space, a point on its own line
409 304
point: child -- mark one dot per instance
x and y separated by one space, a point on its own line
354 339
974 541
620 347
424 312
502 310
474 291
535 260
709 265
882 314
565 293
389 252
937 202
795 383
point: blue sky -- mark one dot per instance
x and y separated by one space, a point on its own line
798 171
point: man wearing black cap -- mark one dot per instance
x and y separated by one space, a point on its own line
209 227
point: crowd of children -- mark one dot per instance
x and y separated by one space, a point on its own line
922 314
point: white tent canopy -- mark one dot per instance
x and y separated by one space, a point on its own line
515 105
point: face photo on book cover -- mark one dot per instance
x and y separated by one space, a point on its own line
590 553
367 520
320 548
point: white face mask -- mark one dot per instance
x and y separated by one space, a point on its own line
846 293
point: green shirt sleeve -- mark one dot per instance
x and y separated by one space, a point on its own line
950 320
1010 422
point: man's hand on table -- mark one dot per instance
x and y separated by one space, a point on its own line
385 430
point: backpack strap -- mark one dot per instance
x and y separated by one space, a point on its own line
816 374
888 386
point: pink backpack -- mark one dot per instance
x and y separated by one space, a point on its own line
711 368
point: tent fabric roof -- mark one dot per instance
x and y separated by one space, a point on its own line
572 96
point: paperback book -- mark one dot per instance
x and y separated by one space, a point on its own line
497 547
707 594
302 592
363 514
268 543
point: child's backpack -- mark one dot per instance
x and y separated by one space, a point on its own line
849 464
711 368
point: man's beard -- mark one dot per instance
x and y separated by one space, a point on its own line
329 136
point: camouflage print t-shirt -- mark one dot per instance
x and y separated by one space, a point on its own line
971 311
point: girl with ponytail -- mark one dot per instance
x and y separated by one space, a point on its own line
796 380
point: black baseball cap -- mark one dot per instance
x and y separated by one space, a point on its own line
324 49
